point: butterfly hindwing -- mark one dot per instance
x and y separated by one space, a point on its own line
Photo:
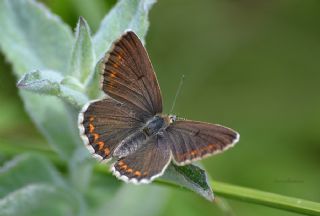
192 140
105 123
128 75
147 163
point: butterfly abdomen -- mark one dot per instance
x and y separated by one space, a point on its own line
130 144
138 139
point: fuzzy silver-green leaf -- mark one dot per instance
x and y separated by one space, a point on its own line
83 56
126 14
36 39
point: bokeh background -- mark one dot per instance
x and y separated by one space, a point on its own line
250 65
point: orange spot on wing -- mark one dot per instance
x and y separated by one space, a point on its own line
137 173
204 150
129 170
106 151
91 118
91 128
211 147
96 136
113 74
124 167
120 163
100 144
115 65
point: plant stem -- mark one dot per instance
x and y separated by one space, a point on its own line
244 194
277 201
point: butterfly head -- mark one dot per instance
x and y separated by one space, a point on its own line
172 118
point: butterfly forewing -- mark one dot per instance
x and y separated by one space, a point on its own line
105 123
192 140
128 75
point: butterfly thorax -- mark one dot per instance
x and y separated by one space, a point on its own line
158 123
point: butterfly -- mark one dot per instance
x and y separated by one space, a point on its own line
129 127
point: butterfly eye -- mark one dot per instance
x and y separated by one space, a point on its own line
172 118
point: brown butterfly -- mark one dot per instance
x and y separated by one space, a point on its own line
129 127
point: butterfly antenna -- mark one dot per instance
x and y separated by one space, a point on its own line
177 93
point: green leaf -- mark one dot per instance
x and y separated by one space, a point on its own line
15 173
52 83
93 11
53 121
126 14
191 177
83 57
101 190
31 176
34 38
43 82
94 90
140 200
39 199
81 166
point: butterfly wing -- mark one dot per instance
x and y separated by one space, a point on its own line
128 75
192 140
147 163
105 123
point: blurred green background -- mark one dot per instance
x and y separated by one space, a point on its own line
251 65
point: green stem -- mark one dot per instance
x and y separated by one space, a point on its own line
277 201
221 189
